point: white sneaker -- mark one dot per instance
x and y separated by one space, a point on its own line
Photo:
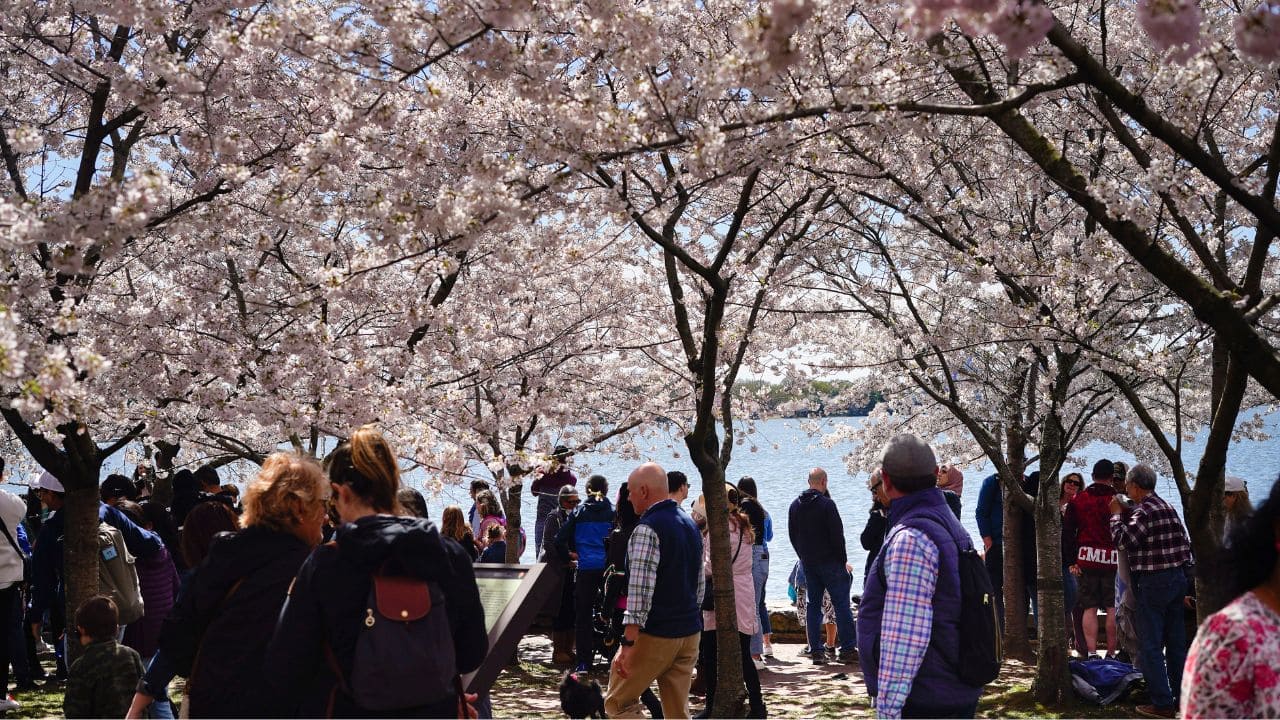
758 663
8 704
768 650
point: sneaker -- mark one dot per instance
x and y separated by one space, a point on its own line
768 650
1156 712
805 651
8 703
582 668
819 658
849 657
758 663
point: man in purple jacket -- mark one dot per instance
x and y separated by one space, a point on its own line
909 619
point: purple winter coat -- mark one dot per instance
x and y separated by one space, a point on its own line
158 581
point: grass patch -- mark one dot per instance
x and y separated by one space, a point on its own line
43 702
1016 701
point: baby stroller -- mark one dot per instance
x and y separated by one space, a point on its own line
606 626
610 604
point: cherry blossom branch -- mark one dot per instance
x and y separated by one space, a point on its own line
1092 72
1212 306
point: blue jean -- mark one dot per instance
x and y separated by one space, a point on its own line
829 577
760 576
1161 634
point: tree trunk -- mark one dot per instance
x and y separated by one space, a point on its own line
511 498
704 450
1052 683
1016 642
80 554
1203 507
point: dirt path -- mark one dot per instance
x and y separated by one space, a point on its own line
793 688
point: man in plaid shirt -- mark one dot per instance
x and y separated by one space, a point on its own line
1159 554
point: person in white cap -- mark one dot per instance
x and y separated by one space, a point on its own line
12 510
1235 499
47 585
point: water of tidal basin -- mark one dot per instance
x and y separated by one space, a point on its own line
786 453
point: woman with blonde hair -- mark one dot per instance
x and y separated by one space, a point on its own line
332 602
453 525
218 631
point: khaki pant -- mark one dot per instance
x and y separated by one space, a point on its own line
670 661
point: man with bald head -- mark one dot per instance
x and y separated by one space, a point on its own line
663 620
817 534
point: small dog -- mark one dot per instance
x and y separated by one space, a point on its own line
579 699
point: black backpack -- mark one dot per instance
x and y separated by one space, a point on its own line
404 654
981 650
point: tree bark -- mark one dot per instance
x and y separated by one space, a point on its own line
704 450
1052 683
80 554
1203 506
1016 641
511 498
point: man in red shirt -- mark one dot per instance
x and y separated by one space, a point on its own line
1086 527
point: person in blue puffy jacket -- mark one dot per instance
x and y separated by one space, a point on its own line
583 537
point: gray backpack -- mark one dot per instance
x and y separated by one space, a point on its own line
117 574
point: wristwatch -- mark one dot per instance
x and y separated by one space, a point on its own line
624 642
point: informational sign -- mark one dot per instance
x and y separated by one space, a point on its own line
495 595
511 596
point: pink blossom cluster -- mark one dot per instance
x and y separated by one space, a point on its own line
1258 33
1171 24
1020 25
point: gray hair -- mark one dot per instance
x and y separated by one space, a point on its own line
1143 475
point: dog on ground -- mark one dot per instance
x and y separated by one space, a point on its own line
579 699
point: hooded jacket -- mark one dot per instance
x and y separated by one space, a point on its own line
224 617
585 532
1087 527
326 608
816 531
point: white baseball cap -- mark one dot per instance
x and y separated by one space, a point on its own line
1234 484
48 482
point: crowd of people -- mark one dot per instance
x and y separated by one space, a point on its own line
325 590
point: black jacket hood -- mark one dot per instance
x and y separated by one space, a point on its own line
413 545
245 551
810 496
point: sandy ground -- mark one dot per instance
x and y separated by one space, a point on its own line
793 686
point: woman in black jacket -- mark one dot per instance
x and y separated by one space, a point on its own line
218 631
877 523
312 654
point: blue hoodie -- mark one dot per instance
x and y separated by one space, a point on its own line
585 532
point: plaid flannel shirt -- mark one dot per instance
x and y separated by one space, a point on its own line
911 574
643 554
1153 535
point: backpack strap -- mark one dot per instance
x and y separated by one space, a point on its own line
4 528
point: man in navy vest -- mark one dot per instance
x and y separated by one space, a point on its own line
909 619
663 620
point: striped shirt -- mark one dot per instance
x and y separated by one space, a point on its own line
911 568
1153 535
643 554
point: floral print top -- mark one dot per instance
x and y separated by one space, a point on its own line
1233 668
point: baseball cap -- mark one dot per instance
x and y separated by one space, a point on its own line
48 482
1234 484
908 456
